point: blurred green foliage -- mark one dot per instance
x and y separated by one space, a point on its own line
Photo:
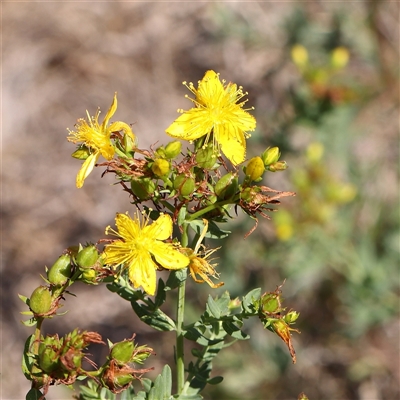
337 242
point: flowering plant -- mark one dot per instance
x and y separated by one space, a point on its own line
193 190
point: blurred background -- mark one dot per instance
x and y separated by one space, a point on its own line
323 78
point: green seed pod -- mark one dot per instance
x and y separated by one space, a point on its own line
255 168
82 153
270 303
48 357
249 194
40 301
87 257
60 272
206 157
227 186
143 188
184 185
123 380
172 149
122 352
271 155
160 167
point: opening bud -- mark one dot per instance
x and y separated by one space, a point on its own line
271 155
160 167
278 166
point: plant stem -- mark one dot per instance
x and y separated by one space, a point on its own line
180 315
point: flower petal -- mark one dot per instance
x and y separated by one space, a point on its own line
191 125
169 258
122 126
110 113
160 229
232 142
128 228
142 272
86 168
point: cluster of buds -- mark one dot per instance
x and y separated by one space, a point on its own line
118 372
196 179
59 361
77 264
274 318
54 360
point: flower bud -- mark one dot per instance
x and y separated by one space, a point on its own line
340 57
227 186
172 149
87 257
184 185
82 153
270 156
160 167
255 168
143 188
278 166
206 157
88 276
299 55
122 352
40 301
59 273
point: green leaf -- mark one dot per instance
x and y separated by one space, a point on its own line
234 331
28 360
34 394
24 299
213 232
161 295
215 381
154 318
249 300
162 386
212 308
91 392
185 396
182 216
175 278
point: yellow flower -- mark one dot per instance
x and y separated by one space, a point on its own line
97 138
199 265
216 110
141 243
